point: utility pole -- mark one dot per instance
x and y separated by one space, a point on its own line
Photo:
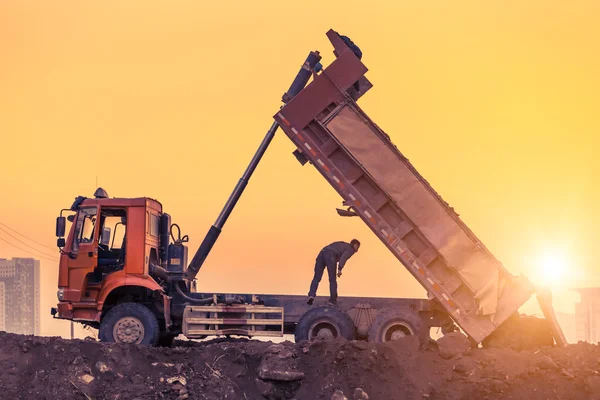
72 330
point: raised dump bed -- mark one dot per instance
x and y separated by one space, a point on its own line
379 184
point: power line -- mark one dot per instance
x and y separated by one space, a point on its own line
28 252
22 242
41 244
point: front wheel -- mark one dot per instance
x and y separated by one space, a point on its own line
130 323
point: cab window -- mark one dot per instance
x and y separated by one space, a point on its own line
84 227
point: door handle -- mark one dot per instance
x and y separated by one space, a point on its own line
90 254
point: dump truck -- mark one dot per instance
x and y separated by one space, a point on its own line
124 265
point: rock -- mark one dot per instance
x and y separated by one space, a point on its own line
177 387
175 379
279 366
279 373
340 355
453 344
465 366
265 388
183 396
86 378
546 362
338 395
100 366
592 384
360 394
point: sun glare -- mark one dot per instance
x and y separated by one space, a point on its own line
552 268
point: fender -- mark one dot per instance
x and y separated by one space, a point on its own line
121 279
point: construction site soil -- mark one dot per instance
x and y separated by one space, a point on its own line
54 368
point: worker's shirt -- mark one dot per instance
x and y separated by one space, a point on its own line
342 251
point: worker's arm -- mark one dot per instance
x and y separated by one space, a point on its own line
344 257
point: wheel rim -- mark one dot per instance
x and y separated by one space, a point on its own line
396 331
323 329
128 330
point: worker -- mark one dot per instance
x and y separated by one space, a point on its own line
337 253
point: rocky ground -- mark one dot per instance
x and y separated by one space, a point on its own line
53 368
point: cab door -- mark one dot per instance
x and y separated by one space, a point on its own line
83 257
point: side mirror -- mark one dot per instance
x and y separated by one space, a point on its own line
60 242
105 240
61 223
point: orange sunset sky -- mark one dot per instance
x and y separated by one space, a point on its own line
495 103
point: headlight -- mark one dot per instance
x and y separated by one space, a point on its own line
60 294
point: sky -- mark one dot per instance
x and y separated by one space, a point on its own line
495 103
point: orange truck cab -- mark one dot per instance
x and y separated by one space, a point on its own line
107 256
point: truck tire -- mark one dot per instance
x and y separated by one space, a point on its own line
324 322
130 323
395 324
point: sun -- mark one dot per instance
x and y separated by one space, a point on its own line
552 268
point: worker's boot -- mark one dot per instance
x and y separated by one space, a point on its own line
333 303
310 301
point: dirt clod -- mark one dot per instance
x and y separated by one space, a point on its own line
453 344
102 367
338 395
360 394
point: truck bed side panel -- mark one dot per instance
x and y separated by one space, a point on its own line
480 273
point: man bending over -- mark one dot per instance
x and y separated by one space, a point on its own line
335 253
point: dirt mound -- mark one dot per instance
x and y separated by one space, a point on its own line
521 332
53 368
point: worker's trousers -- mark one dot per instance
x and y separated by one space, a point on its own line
325 259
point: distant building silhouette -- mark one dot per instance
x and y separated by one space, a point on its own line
20 296
587 315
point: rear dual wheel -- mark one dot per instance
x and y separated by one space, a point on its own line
396 324
324 322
